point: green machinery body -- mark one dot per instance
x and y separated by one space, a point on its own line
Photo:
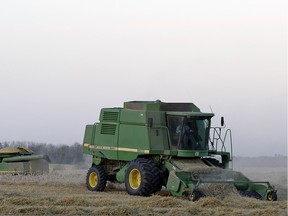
22 161
144 144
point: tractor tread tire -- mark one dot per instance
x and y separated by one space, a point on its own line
157 183
150 177
102 178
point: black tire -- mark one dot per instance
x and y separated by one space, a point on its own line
157 185
142 177
272 196
156 189
251 194
96 178
195 196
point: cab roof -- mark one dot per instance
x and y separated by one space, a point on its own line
161 106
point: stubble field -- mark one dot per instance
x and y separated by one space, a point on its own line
63 192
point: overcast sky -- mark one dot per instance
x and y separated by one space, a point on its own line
61 61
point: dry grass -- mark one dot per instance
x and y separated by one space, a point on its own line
63 192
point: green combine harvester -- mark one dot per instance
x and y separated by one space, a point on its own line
150 144
22 161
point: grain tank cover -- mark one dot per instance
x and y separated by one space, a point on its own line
161 106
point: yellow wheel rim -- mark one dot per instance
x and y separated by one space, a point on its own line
93 179
270 197
192 197
134 179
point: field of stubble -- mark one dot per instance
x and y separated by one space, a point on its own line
63 192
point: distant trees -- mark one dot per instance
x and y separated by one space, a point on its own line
59 154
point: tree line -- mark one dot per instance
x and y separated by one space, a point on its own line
59 154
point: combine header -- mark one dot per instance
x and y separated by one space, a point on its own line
150 144
22 161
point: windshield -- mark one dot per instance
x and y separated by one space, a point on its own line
188 133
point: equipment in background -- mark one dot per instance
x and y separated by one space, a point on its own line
22 161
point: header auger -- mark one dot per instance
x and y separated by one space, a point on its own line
150 144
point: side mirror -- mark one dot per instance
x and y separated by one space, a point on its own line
150 122
222 121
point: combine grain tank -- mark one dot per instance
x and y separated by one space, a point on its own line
150 144
22 161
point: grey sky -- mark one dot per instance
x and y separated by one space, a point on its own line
61 61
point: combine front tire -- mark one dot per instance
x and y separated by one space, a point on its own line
142 177
96 178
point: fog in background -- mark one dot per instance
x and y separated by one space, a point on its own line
61 61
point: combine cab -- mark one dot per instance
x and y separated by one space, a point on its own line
22 161
150 144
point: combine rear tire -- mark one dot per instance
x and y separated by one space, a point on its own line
96 178
142 177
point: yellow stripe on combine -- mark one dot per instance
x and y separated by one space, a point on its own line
87 145
8 171
116 148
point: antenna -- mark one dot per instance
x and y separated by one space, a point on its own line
211 109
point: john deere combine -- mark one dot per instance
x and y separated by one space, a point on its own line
22 161
150 144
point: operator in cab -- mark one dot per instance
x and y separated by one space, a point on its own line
189 136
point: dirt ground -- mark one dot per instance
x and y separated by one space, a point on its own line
63 192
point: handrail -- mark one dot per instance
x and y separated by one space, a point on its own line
218 138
